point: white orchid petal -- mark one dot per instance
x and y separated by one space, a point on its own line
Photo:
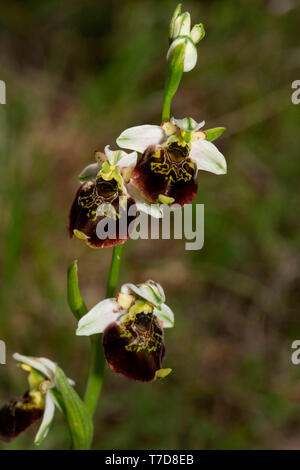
190 56
52 367
89 172
182 26
208 157
166 315
153 210
99 317
128 160
190 52
197 33
47 419
42 364
142 205
111 155
188 124
149 290
140 137
120 158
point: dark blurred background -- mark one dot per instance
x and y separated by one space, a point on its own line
77 74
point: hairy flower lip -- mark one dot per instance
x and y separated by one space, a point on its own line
136 362
163 180
102 195
84 215
133 330
20 413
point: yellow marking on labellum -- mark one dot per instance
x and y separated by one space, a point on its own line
89 202
26 367
37 400
80 235
144 337
92 201
174 164
165 199
162 373
124 332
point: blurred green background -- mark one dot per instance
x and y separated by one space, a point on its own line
77 74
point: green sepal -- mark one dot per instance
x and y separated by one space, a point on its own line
213 134
176 13
197 33
75 300
57 399
78 417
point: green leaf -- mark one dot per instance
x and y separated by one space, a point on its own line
75 300
213 134
78 417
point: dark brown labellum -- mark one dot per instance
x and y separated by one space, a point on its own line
18 415
135 349
168 171
94 201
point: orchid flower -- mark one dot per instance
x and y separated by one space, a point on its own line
181 33
103 194
172 155
133 330
38 402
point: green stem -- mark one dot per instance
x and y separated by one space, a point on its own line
95 379
114 271
166 112
174 75
97 362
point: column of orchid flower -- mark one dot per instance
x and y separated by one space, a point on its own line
127 329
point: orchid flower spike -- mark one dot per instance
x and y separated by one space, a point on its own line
181 33
133 330
172 155
36 403
103 194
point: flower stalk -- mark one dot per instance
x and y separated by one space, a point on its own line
174 75
97 361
